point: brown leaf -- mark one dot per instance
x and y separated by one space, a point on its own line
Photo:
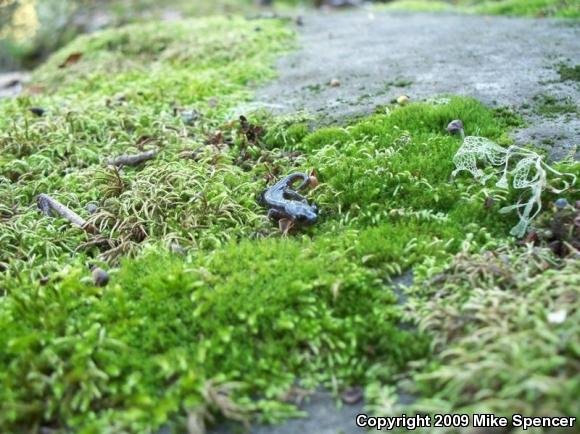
35 89
71 59
252 132
216 138
313 178
285 226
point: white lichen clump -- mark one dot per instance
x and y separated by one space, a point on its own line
524 167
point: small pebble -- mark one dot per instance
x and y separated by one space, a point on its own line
37 111
335 82
352 396
455 126
100 277
561 203
189 116
92 208
403 100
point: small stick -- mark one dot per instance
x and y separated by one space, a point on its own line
47 203
132 160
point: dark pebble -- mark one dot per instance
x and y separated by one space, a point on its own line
352 396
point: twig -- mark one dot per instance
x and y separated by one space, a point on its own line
46 204
132 160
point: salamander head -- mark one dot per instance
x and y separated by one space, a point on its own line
304 214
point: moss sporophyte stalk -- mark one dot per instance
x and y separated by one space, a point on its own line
206 309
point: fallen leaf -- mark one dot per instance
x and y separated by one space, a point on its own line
35 89
285 226
252 132
313 179
71 59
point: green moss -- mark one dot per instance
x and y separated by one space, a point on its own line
509 117
419 5
500 340
571 73
532 8
261 313
241 304
334 136
551 106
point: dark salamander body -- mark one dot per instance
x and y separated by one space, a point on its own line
283 201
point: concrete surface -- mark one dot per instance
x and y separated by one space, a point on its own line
379 56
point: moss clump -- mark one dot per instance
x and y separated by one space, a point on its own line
571 73
530 8
123 96
419 5
138 353
551 106
505 326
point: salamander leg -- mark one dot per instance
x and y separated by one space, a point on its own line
274 214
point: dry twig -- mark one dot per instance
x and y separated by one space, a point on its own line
132 160
46 204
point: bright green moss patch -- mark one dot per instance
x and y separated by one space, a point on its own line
530 8
419 5
140 351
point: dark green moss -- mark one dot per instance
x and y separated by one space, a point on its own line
551 106
509 118
571 73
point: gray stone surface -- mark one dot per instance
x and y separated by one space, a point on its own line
324 418
11 83
500 61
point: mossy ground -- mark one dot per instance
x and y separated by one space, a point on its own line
206 298
529 8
